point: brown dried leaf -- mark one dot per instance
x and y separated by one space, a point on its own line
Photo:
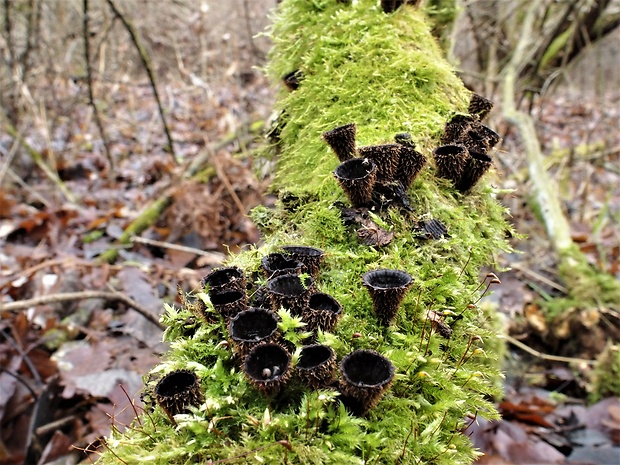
58 446
75 360
372 235
535 318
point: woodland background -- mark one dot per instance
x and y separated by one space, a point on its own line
131 137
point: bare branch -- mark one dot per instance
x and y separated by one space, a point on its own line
89 79
145 62
83 295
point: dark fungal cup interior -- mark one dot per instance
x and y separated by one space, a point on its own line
226 297
275 264
267 362
313 356
289 285
175 383
481 156
224 277
322 301
356 168
253 325
448 150
365 368
387 279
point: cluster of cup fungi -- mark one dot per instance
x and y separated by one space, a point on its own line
465 155
374 175
368 175
371 174
266 357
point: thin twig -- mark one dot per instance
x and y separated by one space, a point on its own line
89 80
70 260
7 164
552 358
23 355
83 295
248 25
215 257
222 175
21 381
539 277
145 62
54 425
27 188
37 157
31 38
8 28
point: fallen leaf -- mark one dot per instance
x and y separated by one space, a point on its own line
58 446
535 318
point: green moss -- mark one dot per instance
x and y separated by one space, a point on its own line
587 286
386 74
606 375
442 15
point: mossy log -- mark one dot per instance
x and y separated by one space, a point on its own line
438 355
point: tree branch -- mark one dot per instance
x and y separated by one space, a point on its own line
83 295
546 199
89 79
147 66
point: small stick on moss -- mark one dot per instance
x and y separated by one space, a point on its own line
424 327
494 280
473 420
462 359
87 450
445 413
417 304
148 414
476 374
482 283
105 444
456 424
471 251
402 454
430 333
447 353
133 406
467 307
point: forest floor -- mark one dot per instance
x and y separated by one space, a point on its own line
72 368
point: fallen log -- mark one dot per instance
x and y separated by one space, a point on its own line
388 314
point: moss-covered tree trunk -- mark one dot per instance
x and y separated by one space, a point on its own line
385 73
